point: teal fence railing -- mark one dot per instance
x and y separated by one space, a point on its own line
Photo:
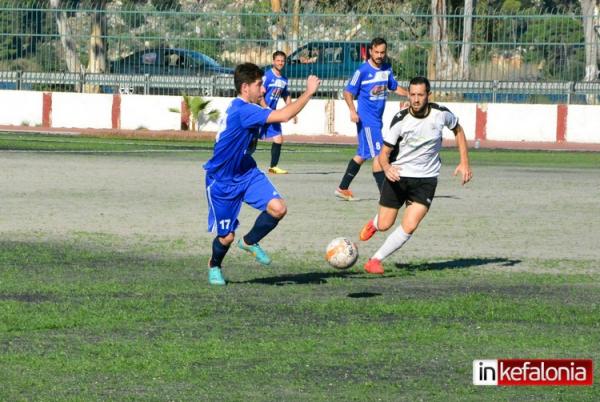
541 57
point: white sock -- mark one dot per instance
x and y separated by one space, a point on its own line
394 241
375 222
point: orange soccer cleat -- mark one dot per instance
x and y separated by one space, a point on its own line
367 231
373 266
344 194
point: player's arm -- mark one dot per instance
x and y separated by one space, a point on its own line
390 171
463 167
349 98
288 100
285 114
401 91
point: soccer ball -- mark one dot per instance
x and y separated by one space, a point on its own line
341 253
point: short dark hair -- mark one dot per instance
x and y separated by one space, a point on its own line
279 53
377 41
246 73
418 80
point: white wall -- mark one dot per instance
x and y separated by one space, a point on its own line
81 110
583 124
505 122
466 118
150 112
513 122
21 108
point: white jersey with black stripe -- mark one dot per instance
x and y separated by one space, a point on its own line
417 141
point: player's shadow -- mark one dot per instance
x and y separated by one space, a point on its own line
319 278
307 278
316 173
363 295
459 263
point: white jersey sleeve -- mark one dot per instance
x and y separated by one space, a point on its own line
450 120
394 134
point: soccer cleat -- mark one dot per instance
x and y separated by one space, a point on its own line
344 194
373 266
256 251
215 277
277 170
367 231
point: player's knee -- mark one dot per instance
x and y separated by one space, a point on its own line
228 239
384 226
277 209
409 227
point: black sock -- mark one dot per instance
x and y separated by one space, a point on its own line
262 227
275 153
351 171
379 178
218 253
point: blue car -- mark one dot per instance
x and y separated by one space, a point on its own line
168 61
171 71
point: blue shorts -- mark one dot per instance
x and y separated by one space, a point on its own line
271 130
370 141
225 200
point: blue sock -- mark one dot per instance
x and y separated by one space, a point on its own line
351 171
262 227
218 252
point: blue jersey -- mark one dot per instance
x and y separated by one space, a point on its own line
370 86
236 141
275 87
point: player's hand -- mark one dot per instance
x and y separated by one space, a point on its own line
404 105
312 84
392 173
354 117
465 173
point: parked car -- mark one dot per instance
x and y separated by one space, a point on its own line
167 61
168 69
327 59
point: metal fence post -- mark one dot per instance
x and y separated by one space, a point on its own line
19 80
570 91
494 90
146 84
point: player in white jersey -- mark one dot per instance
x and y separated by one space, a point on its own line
410 159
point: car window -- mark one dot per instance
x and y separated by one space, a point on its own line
359 52
149 58
332 54
173 60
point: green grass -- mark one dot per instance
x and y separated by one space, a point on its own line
96 316
88 323
39 142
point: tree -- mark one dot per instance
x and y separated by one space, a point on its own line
590 11
441 62
465 53
66 38
97 46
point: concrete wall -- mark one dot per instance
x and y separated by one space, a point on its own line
500 122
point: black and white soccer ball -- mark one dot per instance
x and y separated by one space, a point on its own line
341 253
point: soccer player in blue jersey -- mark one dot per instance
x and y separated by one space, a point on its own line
232 176
370 85
276 87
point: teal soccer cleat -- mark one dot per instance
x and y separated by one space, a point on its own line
256 251
215 277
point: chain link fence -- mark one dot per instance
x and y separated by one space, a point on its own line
531 58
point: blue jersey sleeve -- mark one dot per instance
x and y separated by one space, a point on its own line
285 92
266 81
253 115
392 83
354 82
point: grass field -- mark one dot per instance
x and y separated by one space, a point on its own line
103 291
